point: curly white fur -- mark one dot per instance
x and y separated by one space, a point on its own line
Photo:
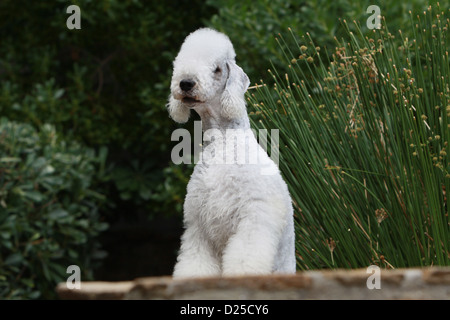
237 220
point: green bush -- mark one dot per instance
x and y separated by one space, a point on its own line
49 210
364 145
103 85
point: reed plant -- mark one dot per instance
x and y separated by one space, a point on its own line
364 143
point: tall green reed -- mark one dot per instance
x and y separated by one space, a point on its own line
363 144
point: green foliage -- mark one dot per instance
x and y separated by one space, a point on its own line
364 145
253 25
49 210
104 85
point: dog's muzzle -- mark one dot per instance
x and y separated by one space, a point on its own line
186 86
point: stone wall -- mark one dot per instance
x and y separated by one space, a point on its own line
429 283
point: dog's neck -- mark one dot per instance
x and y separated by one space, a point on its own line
213 119
226 141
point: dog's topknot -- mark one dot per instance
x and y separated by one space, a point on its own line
207 45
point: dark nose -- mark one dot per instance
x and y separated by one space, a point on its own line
187 84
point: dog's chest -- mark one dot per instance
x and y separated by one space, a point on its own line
214 202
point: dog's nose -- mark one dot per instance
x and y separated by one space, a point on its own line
187 84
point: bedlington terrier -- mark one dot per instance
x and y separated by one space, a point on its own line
238 220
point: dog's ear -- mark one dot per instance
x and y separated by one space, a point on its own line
177 112
233 101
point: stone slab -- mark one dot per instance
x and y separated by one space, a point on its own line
426 283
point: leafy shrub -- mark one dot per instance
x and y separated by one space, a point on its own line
364 145
103 85
49 210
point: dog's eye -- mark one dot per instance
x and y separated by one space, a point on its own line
218 70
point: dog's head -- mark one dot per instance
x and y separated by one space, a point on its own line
205 73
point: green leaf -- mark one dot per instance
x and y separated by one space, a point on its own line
10 159
28 282
48 169
5 234
34 195
14 259
144 192
58 213
58 94
125 195
34 295
35 236
46 271
102 226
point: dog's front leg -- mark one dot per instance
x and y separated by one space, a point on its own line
252 249
196 258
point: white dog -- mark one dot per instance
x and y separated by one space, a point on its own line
237 220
